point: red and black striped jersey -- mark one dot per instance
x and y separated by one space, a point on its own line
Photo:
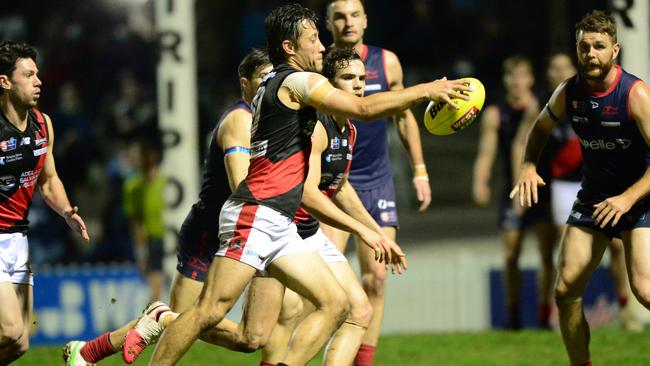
22 156
280 145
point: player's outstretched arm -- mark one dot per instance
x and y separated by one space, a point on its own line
53 191
611 209
314 201
347 199
529 180
409 133
313 89
234 138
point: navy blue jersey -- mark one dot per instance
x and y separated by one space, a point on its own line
370 164
214 187
615 155
335 165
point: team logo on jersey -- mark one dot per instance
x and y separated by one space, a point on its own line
8 145
335 143
26 141
41 151
372 74
39 139
7 182
348 156
601 144
373 87
610 123
258 148
594 104
384 204
333 157
580 119
610 110
10 158
344 142
579 105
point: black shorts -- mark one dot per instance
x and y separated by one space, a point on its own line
196 249
637 216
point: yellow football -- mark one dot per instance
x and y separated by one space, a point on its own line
441 119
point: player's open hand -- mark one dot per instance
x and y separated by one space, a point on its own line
446 90
398 263
527 185
611 210
378 244
76 223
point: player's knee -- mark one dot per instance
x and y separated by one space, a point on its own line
292 308
565 296
361 313
641 289
11 335
253 341
374 283
210 316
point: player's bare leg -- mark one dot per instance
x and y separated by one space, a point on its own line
547 239
184 292
618 270
580 253
637 257
276 346
217 298
343 347
15 304
308 275
512 239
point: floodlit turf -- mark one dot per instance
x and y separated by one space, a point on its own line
610 346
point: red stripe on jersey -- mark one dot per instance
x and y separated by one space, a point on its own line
242 230
13 210
567 159
267 179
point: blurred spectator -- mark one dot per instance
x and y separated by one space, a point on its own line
143 202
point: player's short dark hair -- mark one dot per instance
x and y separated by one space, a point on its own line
282 24
337 59
255 59
597 22
10 52
516 60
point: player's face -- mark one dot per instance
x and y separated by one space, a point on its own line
309 51
518 80
347 21
25 84
351 78
596 53
250 87
559 69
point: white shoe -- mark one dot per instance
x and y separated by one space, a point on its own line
145 332
72 355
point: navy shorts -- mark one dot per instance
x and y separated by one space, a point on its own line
380 203
539 212
637 216
196 249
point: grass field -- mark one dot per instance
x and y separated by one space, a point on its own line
609 346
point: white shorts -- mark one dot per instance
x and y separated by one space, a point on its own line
563 195
257 235
14 259
325 248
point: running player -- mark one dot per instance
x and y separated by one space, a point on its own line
566 173
609 110
198 235
501 125
371 174
26 160
256 228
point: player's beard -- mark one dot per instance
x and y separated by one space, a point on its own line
604 70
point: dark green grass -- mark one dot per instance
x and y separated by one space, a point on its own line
609 346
